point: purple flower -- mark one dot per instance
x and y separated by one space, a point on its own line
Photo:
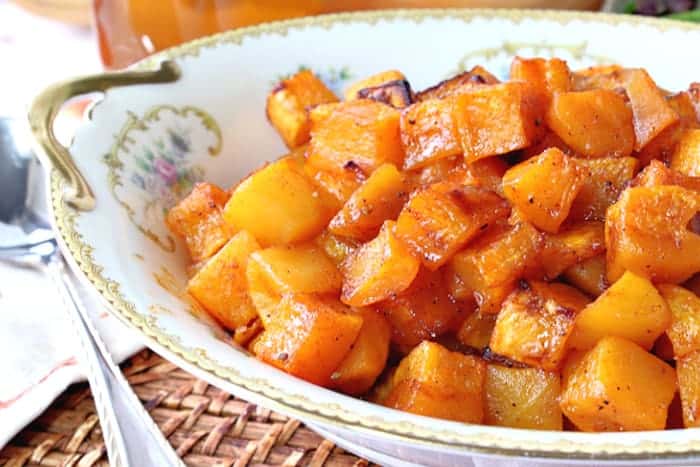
167 171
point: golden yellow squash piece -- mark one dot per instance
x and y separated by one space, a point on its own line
588 276
684 331
688 369
686 157
476 330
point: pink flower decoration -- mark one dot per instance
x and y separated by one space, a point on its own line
167 171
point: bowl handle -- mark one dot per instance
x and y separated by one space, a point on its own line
46 106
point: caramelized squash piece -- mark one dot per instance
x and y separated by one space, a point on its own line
612 389
684 331
571 246
384 77
476 330
362 133
545 205
588 276
379 199
308 337
688 370
547 76
336 186
535 323
199 221
278 204
474 78
497 119
220 286
396 93
657 174
631 308
686 157
646 232
435 382
522 398
335 247
289 102
428 133
378 269
367 358
594 123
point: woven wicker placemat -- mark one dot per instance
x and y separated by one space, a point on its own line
206 426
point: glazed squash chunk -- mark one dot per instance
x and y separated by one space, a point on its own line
428 133
476 77
378 269
336 248
336 186
588 276
684 331
496 119
594 123
435 382
352 91
380 198
571 246
547 76
289 103
646 232
545 205
363 133
395 93
618 386
535 322
688 370
686 157
631 308
220 286
424 311
603 181
476 330
522 398
199 221
487 270
657 174
367 358
308 337
440 219
278 204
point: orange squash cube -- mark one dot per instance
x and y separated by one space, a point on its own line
545 205
379 199
684 330
375 80
220 286
686 157
335 247
199 221
603 181
428 133
535 322
571 246
476 330
397 93
308 337
497 119
278 204
588 276
646 233
378 269
549 140
367 358
522 398
435 172
424 311
657 174
547 76
439 220
611 389
594 123
360 133
593 77
474 78
336 186
688 370
631 308
289 102
435 382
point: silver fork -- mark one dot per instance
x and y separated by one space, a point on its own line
131 437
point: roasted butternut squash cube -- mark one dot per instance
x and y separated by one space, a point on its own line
395 93
428 133
590 77
220 286
278 204
476 330
289 102
688 370
631 308
308 337
363 133
594 123
522 398
199 221
686 157
378 269
546 205
497 119
485 173
603 181
242 335
657 174
547 76
336 186
588 276
570 246
646 233
684 330
549 140
474 78
535 322
488 269
435 382
367 358
439 220
336 248
424 311
611 389
378 79
571 363
380 198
